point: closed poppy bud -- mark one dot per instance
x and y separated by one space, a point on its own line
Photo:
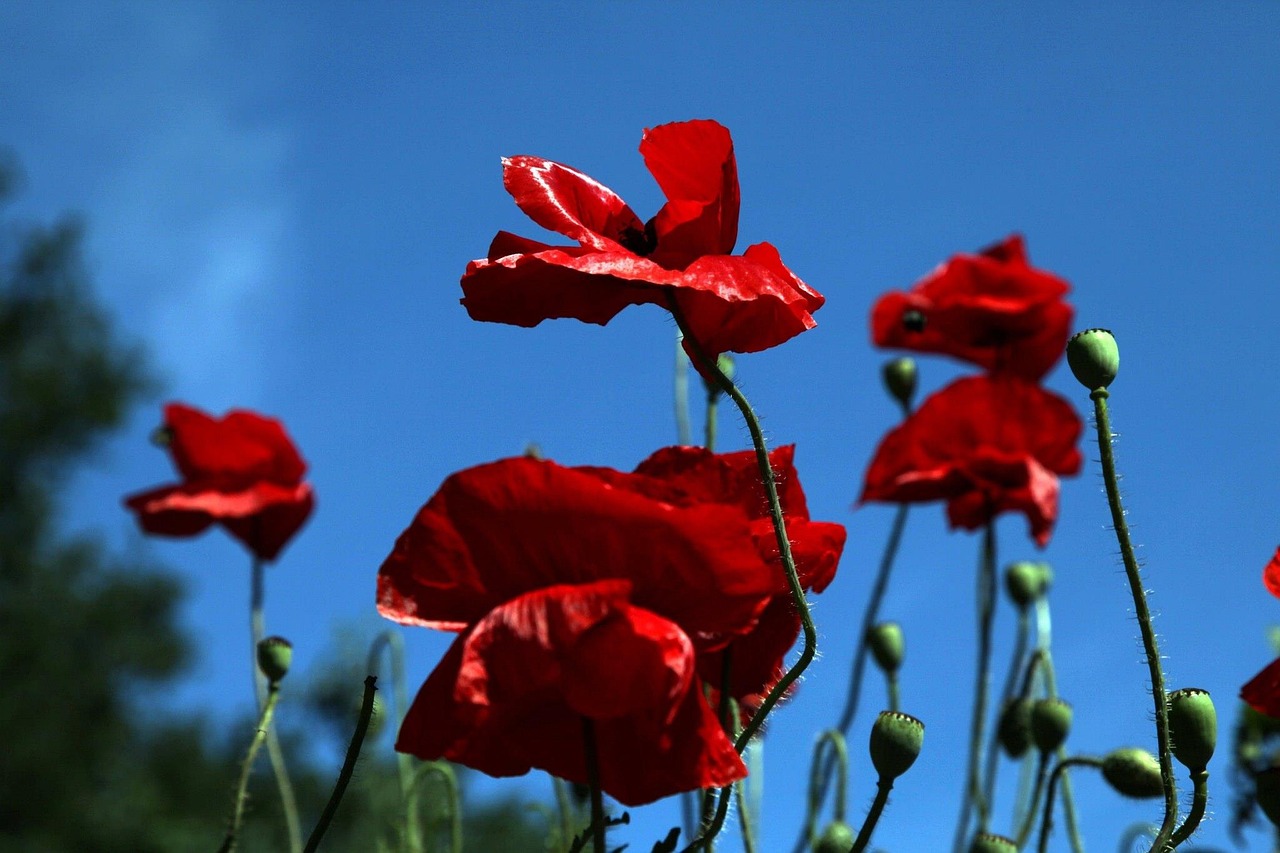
985 842
1267 793
1094 358
1193 727
1025 583
1133 772
836 838
1050 723
896 739
900 378
274 656
887 645
1014 728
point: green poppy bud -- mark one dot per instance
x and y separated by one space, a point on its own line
896 739
1014 728
887 645
274 656
1193 727
1133 772
1050 723
900 378
1025 583
985 842
1094 358
1267 793
838 837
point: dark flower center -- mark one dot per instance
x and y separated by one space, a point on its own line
913 320
640 242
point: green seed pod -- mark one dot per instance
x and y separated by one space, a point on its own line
887 645
838 837
1014 729
1133 772
896 739
1024 582
1193 727
985 842
900 378
1094 358
1050 723
1267 793
274 656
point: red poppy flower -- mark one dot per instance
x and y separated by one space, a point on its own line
1262 693
986 445
1271 575
993 309
739 303
241 472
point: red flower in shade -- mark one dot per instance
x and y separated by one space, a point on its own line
1262 693
993 309
739 303
581 593
242 472
986 445
1271 575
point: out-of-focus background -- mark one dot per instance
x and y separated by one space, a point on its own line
276 202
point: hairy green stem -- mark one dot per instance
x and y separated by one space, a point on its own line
348 766
393 644
242 787
1059 772
973 797
1102 420
1200 799
883 787
258 630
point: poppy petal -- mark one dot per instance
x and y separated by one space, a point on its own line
564 200
694 164
1262 693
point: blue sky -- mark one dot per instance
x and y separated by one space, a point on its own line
280 201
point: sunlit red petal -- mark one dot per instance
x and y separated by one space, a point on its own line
1262 693
693 163
564 200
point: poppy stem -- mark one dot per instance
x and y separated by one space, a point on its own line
257 630
393 644
242 788
839 754
1102 420
593 781
680 383
973 797
1044 640
992 764
883 787
712 422
1200 798
348 766
1029 822
710 368
1059 772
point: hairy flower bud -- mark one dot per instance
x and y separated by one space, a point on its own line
836 838
1025 582
1050 723
887 645
900 378
1133 772
1094 358
896 739
1193 727
274 656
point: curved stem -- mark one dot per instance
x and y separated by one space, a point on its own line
393 644
1006 694
1200 798
1102 420
710 368
840 756
445 772
258 630
348 765
242 787
883 787
973 797
680 388
1059 772
1029 822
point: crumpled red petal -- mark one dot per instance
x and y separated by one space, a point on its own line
512 692
1262 693
497 531
564 200
693 163
992 309
985 444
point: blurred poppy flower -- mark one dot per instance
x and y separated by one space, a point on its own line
240 471
1271 575
985 445
739 303
583 593
993 309
1262 693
